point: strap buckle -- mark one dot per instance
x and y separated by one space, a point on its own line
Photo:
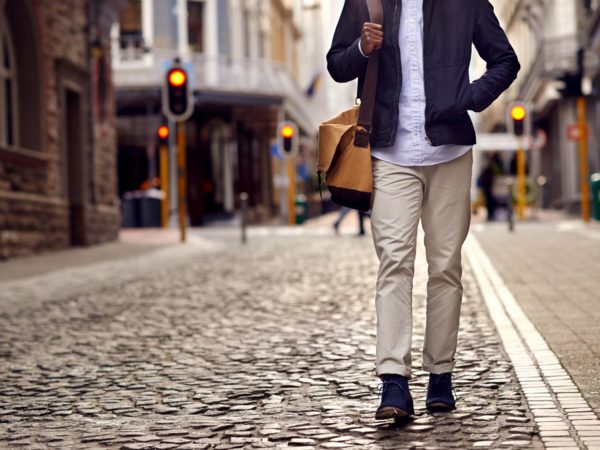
361 136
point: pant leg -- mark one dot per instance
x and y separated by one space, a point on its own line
343 213
397 197
361 222
446 218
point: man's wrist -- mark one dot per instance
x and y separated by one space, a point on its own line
360 50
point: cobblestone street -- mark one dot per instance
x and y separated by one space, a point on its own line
267 345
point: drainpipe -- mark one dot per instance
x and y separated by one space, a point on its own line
93 40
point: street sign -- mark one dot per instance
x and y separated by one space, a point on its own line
574 132
500 142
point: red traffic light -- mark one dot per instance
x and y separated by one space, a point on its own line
177 77
518 112
287 131
163 132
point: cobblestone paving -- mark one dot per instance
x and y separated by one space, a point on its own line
270 345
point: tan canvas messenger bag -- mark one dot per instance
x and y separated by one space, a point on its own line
344 153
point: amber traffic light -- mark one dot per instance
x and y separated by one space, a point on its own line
518 112
287 132
163 133
177 77
288 138
518 119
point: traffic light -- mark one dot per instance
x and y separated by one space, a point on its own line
287 133
288 138
519 120
163 134
518 114
177 102
572 82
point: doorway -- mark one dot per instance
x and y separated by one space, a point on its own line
75 190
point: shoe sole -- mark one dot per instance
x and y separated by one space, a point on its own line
390 412
440 407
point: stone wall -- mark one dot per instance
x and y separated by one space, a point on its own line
34 202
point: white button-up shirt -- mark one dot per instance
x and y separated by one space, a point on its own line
411 147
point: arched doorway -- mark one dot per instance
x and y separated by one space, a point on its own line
20 76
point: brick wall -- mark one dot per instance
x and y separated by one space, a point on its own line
34 204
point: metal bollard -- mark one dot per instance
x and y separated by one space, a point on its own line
539 201
509 204
244 221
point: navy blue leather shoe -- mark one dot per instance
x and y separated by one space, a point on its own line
439 392
396 401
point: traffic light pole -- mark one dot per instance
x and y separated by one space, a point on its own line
164 185
521 188
583 159
291 169
181 172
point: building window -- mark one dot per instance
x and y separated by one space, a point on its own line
8 88
131 40
196 25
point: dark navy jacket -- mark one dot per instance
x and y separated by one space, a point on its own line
450 29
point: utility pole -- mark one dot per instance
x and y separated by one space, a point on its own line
181 170
573 89
163 138
520 125
583 158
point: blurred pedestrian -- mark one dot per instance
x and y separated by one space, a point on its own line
343 213
487 179
421 143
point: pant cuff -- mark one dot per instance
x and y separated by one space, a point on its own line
393 368
439 368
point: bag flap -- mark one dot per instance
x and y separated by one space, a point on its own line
331 133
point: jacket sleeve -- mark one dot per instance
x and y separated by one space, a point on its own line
345 62
502 64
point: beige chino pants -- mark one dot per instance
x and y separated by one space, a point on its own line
439 196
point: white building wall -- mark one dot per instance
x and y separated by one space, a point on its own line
339 96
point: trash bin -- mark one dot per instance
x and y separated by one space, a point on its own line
595 179
141 209
150 208
130 210
300 208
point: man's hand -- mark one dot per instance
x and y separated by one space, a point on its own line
371 37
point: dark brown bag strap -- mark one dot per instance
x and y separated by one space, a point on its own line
367 98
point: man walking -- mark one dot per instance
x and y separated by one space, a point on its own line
421 142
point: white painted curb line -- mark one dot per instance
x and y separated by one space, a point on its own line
563 416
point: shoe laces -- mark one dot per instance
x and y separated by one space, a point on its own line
389 384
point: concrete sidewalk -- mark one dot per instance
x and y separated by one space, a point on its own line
553 269
132 243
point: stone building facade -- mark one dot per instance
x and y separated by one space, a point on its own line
57 128
547 35
252 64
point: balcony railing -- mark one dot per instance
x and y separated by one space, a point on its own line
131 47
555 57
221 74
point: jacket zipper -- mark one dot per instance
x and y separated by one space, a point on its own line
399 79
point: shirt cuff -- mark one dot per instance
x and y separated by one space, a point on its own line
360 50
